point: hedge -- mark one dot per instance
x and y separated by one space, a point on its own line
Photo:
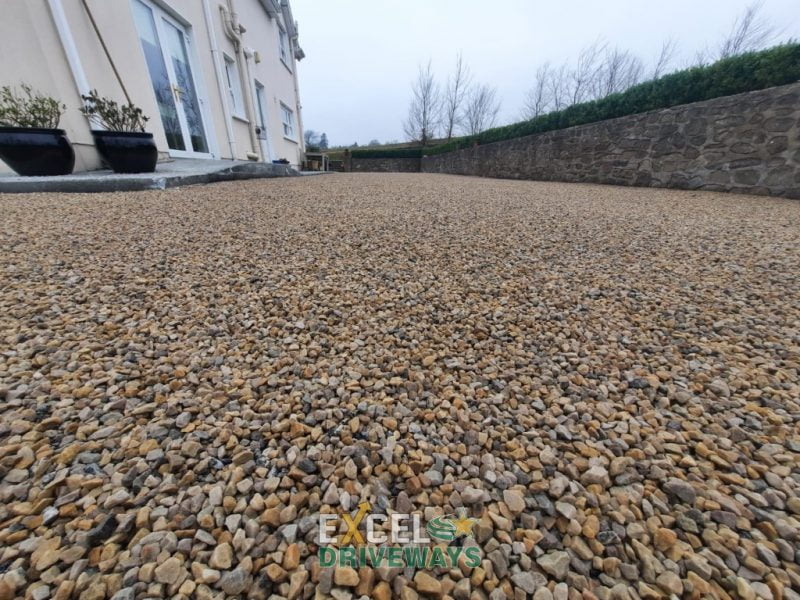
744 73
413 152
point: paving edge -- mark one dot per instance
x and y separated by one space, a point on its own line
146 181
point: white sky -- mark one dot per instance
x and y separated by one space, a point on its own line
361 55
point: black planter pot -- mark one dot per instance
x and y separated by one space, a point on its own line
31 151
127 151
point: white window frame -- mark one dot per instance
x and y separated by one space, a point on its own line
234 87
162 14
288 123
283 46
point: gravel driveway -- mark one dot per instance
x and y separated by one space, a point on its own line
606 378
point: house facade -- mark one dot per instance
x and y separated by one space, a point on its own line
217 78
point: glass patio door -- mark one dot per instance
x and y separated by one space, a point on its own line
166 50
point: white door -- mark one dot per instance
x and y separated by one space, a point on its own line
261 128
167 52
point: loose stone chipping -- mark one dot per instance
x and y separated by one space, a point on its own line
607 378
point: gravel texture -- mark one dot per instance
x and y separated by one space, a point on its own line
606 377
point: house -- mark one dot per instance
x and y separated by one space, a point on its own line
218 78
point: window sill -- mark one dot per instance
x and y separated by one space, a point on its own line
241 118
285 64
287 138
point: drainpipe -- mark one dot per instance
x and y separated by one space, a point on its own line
221 85
296 53
249 55
302 138
70 50
234 30
105 50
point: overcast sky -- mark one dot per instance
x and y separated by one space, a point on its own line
362 55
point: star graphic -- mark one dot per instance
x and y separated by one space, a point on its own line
463 525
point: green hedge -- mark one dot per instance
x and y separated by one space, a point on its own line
745 73
414 152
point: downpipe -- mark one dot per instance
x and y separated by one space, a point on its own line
249 53
68 45
223 93
234 30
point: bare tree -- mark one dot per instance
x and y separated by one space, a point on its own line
600 71
481 109
454 96
422 121
559 87
538 99
665 56
618 70
750 31
583 76
701 58
634 73
310 137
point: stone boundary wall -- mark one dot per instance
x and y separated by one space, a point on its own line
383 165
748 143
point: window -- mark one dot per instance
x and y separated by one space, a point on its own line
287 116
283 45
234 87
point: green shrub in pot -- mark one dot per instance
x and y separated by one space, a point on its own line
121 138
30 141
